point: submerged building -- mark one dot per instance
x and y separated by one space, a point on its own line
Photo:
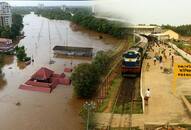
6 45
45 80
5 14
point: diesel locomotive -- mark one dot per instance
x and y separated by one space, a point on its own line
132 58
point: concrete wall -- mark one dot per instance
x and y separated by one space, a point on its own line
181 52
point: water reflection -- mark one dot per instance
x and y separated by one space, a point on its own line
21 65
8 59
3 82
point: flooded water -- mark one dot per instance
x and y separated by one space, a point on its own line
43 111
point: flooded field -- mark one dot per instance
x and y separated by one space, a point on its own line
43 111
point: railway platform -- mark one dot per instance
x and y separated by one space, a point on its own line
164 106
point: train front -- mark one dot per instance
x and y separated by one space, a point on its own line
131 63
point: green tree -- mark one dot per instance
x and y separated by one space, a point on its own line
6 32
20 53
101 62
85 79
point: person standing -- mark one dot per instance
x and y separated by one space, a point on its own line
161 65
147 96
172 60
147 67
154 59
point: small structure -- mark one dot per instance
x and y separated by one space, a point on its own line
74 51
6 45
145 29
67 69
166 35
45 80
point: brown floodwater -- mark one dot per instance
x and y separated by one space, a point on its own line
58 110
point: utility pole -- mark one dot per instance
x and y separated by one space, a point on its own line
88 106
134 36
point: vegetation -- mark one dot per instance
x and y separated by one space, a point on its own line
86 76
23 10
100 25
14 30
21 54
110 98
184 30
132 128
183 45
55 13
84 115
188 98
85 79
101 62
86 19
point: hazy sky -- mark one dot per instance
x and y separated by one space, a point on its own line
136 11
150 11
48 3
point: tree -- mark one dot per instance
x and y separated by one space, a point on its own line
101 62
84 79
20 53
6 32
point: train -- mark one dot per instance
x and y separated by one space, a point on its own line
132 58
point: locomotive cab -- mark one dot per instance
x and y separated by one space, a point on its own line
131 63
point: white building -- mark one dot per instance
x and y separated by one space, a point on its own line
145 29
5 14
41 6
63 7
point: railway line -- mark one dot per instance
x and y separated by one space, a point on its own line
127 95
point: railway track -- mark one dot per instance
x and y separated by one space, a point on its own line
124 103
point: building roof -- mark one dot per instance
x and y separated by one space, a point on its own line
5 40
42 74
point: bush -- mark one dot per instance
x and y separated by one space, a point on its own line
85 79
86 76
101 62
21 54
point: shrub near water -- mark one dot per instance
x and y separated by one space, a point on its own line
101 62
86 77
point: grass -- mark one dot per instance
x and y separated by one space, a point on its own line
183 45
112 92
137 108
188 98
132 128
185 126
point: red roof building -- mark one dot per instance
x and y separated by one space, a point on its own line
45 80
42 74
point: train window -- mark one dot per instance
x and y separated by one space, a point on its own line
130 55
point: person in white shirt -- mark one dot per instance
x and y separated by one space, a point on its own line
147 96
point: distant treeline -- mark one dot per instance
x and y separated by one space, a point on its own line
54 13
86 19
23 10
100 25
184 30
13 31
